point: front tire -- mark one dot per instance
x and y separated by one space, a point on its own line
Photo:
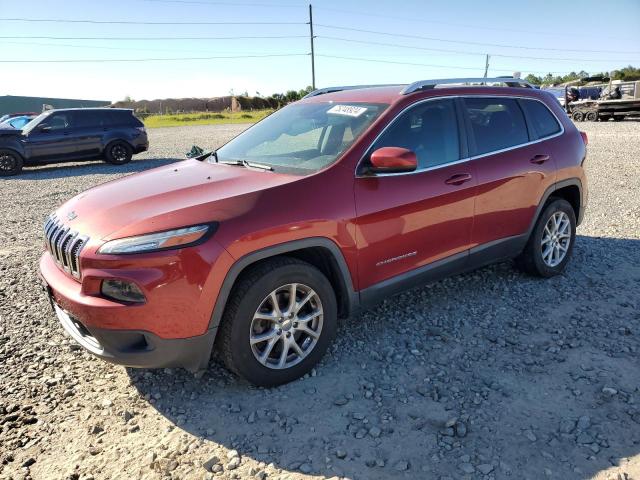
279 321
118 153
10 163
551 243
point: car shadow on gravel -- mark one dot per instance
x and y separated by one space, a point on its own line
426 385
97 167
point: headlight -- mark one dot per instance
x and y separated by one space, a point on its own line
178 238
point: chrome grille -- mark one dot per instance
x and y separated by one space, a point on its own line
64 245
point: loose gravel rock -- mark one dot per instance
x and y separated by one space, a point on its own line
491 374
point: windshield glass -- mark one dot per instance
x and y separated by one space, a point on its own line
29 126
302 138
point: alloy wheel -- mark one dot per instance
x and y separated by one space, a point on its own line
556 239
8 162
286 326
119 153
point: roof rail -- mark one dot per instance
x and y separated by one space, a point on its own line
322 91
428 84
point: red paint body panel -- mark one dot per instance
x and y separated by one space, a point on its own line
416 216
180 286
509 190
370 219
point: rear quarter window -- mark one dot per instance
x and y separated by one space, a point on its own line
119 118
542 120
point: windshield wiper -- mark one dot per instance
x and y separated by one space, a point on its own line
244 163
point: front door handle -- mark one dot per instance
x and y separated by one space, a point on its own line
458 179
540 159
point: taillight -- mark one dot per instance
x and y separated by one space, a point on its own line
585 139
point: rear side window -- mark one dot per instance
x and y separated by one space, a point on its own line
429 129
85 119
496 123
118 118
541 119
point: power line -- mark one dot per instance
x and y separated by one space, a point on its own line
460 25
375 60
177 59
231 4
127 22
244 37
98 47
334 27
461 52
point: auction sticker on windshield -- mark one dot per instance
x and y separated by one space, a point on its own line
348 110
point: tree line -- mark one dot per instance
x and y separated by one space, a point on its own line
625 74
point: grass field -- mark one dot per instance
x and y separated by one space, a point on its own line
180 120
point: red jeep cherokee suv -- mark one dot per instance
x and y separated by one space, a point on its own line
326 206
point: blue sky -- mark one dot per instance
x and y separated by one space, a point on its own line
443 37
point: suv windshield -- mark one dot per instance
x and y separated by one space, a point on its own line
302 138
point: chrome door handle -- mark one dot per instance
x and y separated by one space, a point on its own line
540 159
458 179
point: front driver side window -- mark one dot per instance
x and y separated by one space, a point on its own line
58 121
429 129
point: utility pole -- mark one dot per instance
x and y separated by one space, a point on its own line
313 63
486 66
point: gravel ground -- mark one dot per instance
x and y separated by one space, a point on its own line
486 375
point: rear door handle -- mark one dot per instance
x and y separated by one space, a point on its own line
458 179
540 159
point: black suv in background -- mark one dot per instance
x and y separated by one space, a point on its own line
73 134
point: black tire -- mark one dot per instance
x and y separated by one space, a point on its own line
246 298
591 116
578 116
531 259
10 163
118 153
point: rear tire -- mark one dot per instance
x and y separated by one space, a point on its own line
11 163
256 339
118 153
551 242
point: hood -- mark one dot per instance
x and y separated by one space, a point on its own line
177 195
9 130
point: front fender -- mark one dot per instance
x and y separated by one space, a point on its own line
14 144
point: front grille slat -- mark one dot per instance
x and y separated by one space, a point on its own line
64 245
58 243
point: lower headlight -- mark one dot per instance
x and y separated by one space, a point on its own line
122 290
178 238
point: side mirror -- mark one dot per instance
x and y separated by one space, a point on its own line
393 160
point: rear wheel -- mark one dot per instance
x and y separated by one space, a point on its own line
10 163
577 116
118 153
591 116
279 321
551 243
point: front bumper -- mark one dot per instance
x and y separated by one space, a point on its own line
171 329
134 348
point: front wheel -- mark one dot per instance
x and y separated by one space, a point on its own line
118 153
10 163
279 321
551 243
